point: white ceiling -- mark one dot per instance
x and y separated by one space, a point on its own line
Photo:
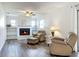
20 6
34 6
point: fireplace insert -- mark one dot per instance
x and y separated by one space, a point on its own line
24 31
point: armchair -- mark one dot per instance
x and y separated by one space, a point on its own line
61 47
40 35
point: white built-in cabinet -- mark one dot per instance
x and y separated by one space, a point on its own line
11 33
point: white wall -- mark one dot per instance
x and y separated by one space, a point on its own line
60 16
2 29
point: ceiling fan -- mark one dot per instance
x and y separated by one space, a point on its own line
28 13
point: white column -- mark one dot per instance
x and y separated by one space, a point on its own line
75 25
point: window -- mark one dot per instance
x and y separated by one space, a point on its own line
33 23
42 23
13 23
2 22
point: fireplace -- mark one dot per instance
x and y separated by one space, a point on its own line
24 31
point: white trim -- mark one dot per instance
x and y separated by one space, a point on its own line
75 26
25 36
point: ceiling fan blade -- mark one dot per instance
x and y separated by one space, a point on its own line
23 11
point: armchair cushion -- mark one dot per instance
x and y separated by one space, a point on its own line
58 38
60 49
59 42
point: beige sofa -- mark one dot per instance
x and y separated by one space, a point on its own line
61 47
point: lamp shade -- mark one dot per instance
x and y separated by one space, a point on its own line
54 28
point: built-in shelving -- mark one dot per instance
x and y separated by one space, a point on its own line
11 33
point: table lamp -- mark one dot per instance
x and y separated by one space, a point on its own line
54 29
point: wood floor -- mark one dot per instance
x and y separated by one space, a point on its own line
15 48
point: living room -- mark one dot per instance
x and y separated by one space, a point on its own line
29 28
